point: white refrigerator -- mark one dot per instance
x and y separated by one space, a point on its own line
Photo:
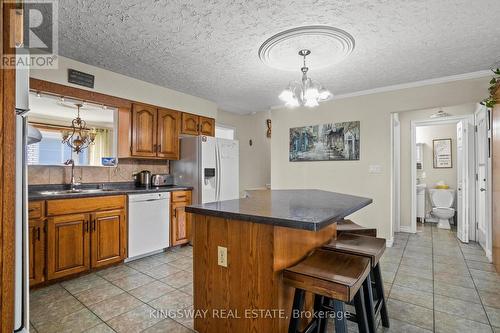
211 166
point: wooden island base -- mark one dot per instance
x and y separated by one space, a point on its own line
249 294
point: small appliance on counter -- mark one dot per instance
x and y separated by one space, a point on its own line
143 178
162 179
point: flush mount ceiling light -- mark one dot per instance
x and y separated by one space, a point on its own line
325 47
439 114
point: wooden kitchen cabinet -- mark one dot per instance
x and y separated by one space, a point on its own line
197 125
144 125
36 238
180 230
67 245
108 237
155 132
82 234
190 123
169 123
207 126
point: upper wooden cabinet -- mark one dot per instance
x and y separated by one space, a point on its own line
144 125
197 125
169 123
207 126
190 123
155 132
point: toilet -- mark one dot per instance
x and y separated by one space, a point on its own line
442 201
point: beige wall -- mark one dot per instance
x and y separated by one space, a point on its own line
425 135
373 111
405 119
255 160
39 174
118 85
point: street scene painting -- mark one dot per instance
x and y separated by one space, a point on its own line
327 142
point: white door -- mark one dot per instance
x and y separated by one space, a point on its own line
228 155
462 197
208 178
482 178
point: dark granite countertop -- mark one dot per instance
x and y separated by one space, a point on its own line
46 192
299 209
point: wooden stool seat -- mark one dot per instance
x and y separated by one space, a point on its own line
353 228
370 247
337 276
335 279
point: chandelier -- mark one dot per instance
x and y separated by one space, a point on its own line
305 92
79 136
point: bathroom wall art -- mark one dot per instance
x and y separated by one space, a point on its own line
442 154
327 142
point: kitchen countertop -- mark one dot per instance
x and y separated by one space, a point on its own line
36 192
298 209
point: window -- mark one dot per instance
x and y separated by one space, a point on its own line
50 150
224 132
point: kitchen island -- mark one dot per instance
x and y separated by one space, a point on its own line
241 290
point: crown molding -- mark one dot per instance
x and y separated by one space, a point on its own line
416 84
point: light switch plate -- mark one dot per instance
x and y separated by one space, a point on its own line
375 169
222 256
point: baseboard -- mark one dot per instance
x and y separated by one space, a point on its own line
489 255
405 228
389 242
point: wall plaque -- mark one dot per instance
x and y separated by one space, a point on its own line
80 78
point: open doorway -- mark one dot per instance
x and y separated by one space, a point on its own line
442 174
469 130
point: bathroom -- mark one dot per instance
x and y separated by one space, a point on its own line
436 164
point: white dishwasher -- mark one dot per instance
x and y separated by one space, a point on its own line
148 223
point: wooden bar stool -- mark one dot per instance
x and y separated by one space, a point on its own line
353 228
372 248
335 279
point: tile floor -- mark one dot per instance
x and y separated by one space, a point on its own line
434 283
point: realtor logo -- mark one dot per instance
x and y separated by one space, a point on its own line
34 37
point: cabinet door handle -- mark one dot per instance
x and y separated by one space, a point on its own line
38 233
175 212
93 225
86 226
159 148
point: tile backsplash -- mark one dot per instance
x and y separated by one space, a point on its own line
42 174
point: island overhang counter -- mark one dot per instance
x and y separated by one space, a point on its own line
263 234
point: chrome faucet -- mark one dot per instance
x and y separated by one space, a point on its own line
74 184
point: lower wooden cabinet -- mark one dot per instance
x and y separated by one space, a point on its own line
81 234
67 245
109 237
36 237
180 221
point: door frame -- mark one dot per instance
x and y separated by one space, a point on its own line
489 193
430 122
395 174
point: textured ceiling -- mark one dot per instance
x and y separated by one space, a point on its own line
210 48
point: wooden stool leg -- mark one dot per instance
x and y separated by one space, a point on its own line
370 307
298 303
318 307
379 286
340 320
359 305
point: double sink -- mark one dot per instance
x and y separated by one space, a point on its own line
76 191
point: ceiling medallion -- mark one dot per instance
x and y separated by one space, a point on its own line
330 45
